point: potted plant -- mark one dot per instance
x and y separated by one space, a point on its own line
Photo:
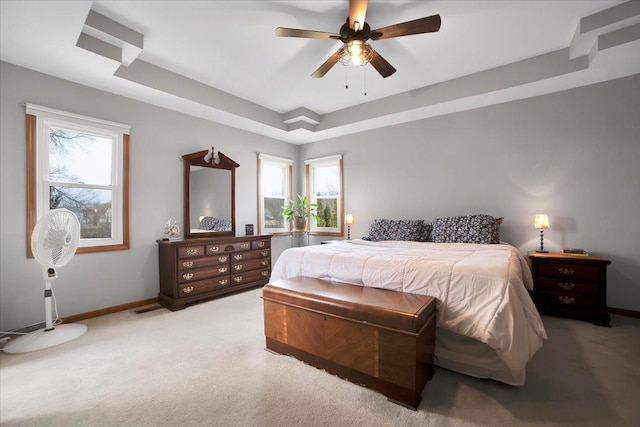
298 211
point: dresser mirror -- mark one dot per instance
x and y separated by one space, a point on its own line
209 194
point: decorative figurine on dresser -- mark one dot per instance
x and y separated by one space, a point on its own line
211 261
571 285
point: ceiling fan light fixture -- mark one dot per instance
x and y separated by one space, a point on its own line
356 53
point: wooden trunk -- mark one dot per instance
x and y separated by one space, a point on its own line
374 337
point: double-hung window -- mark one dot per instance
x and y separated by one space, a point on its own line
324 187
274 192
81 164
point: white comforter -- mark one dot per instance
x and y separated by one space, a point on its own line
480 289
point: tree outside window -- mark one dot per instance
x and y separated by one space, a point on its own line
324 185
274 176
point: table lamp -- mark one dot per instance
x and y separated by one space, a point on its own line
348 219
541 222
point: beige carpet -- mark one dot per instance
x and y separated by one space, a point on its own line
206 366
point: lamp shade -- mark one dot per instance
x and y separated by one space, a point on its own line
348 219
541 221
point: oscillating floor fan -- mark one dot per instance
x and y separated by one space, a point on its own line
53 242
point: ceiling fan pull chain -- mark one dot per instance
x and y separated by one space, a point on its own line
346 77
364 74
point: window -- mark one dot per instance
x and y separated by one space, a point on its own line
274 180
81 164
324 185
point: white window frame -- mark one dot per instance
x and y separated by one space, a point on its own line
287 166
45 119
311 165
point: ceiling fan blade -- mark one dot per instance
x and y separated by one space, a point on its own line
429 24
357 12
381 65
307 34
328 64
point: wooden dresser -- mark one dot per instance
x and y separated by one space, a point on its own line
197 269
571 286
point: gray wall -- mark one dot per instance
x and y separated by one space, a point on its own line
573 155
159 138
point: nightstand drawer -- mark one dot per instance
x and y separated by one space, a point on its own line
567 286
567 300
570 270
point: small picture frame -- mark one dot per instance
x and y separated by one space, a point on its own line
248 229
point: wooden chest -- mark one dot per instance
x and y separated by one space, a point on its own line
197 269
382 339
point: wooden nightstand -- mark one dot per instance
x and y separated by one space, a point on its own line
571 286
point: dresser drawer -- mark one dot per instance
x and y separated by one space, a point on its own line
256 264
202 273
228 247
250 276
190 251
202 286
248 256
573 271
261 244
186 264
566 286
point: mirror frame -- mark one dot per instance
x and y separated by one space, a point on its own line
198 159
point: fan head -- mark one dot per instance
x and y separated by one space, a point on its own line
55 238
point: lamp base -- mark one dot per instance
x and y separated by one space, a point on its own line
542 252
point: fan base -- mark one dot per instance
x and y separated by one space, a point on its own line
41 339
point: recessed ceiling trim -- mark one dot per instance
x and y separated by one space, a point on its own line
612 27
99 47
115 29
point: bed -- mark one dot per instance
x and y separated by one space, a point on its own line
487 326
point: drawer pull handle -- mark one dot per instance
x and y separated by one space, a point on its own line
223 282
187 289
222 259
567 285
237 257
264 253
260 244
222 270
214 248
566 300
566 271
237 267
244 246
264 263
237 279
187 264
192 251
187 276
265 273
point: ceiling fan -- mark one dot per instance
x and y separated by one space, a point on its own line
354 35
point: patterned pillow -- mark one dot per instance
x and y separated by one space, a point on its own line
223 224
395 229
425 233
208 223
466 229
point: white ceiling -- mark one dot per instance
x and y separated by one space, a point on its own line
220 60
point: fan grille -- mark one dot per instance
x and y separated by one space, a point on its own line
55 238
